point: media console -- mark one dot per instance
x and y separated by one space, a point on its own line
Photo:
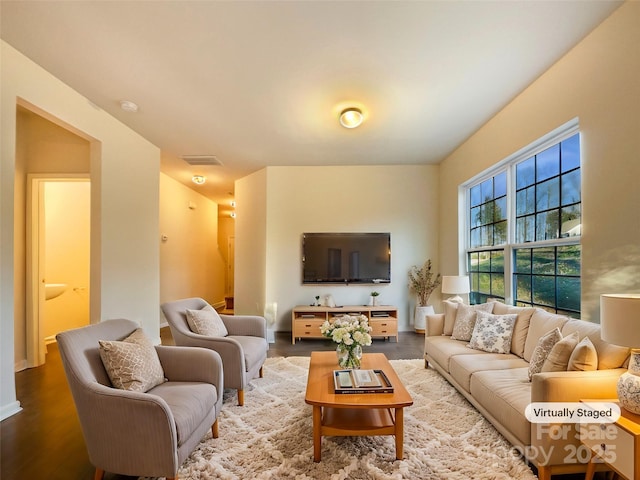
306 320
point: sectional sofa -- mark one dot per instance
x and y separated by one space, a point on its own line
500 386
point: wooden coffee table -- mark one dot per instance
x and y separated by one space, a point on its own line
354 414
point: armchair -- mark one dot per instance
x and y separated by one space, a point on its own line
243 350
141 434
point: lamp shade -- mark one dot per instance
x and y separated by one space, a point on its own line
620 319
455 284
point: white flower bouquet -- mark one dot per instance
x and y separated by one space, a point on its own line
351 333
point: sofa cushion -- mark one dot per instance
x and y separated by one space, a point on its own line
493 333
542 350
463 366
521 327
541 323
133 363
206 322
466 320
505 395
442 349
189 403
609 356
558 357
450 311
584 357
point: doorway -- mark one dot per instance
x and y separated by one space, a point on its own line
58 253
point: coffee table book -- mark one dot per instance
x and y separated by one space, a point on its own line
346 382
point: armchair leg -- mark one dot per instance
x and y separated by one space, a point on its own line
261 373
99 475
214 429
240 397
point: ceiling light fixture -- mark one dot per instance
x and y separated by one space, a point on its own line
198 179
128 106
351 117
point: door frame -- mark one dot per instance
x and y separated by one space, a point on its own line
35 256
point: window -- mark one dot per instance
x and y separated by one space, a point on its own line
524 226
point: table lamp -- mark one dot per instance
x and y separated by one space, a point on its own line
455 285
620 325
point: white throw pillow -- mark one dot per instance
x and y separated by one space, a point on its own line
206 322
541 351
584 357
466 320
559 355
133 363
493 333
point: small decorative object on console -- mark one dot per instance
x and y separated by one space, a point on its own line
351 333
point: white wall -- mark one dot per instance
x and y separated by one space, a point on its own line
191 263
401 200
598 82
124 207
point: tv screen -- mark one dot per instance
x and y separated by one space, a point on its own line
346 258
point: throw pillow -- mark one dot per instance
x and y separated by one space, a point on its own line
466 320
584 357
133 363
558 358
493 333
542 350
450 310
206 322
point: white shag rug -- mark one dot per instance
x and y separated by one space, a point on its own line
271 436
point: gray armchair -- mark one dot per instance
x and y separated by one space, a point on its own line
141 434
243 351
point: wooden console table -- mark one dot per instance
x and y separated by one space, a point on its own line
306 320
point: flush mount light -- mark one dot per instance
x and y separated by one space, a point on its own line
198 179
128 106
351 117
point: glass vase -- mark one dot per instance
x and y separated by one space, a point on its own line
349 356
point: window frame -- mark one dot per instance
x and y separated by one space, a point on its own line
508 165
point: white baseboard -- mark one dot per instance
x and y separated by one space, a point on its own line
11 409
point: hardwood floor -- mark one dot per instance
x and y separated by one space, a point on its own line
45 440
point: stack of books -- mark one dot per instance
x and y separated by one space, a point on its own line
361 381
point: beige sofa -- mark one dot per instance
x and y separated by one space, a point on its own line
498 384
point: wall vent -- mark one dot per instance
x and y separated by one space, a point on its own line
201 160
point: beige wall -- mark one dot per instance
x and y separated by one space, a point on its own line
191 264
124 208
598 82
401 200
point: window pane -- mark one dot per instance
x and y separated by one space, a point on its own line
500 233
497 285
473 261
476 196
523 288
500 209
571 187
525 173
569 293
570 150
525 229
526 201
500 185
548 194
497 261
487 189
486 235
547 225
544 292
484 265
544 261
486 213
475 217
475 238
485 283
569 260
571 222
548 163
475 282
523 260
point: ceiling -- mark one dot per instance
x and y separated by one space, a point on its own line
262 83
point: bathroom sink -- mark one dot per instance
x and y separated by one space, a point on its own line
53 290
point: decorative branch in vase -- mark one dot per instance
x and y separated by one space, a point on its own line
422 282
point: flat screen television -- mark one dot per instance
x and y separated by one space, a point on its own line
346 258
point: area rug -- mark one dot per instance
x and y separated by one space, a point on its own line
271 436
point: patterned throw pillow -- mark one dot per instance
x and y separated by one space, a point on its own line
133 363
466 320
493 333
558 358
206 322
542 350
584 357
